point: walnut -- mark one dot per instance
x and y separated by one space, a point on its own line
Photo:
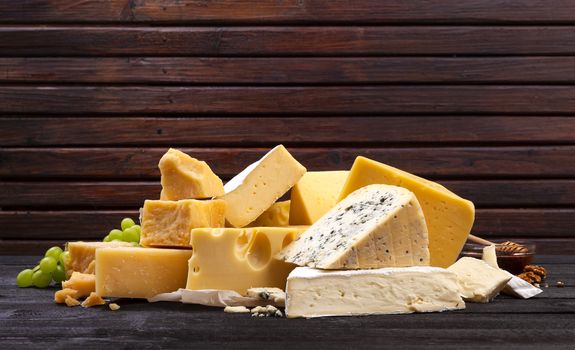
560 284
530 277
536 269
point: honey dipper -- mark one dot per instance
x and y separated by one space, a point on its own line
507 247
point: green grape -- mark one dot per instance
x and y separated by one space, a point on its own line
47 265
64 257
59 274
115 235
137 228
41 279
36 268
131 235
127 223
24 278
54 252
107 239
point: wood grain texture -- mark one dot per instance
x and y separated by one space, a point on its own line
256 41
78 130
331 100
288 11
282 70
436 163
483 193
95 224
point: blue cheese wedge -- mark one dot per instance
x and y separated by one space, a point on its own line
478 281
317 293
375 226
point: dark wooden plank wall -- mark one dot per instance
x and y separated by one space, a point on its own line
476 94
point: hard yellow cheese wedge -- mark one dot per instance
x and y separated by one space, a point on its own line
314 194
168 223
257 187
239 258
140 272
184 177
449 218
276 215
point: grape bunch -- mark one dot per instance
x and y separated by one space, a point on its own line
51 267
130 232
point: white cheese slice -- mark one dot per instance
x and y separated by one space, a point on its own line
375 226
478 281
516 286
317 293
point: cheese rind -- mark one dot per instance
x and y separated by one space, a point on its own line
140 272
314 195
449 217
478 281
257 187
82 254
275 216
169 223
376 226
239 258
184 177
317 293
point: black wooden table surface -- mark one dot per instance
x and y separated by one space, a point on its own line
30 319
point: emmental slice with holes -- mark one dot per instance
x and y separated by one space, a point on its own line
260 185
140 272
376 226
239 258
168 223
449 217
184 177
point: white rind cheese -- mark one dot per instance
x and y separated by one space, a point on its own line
375 226
317 293
478 281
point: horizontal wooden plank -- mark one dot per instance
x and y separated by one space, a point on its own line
334 100
483 193
283 70
268 131
288 11
436 163
550 246
285 41
533 223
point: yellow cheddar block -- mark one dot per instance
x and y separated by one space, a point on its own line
184 177
314 195
140 272
240 258
168 223
258 186
449 218
82 254
82 283
276 215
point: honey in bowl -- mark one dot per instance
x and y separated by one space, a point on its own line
512 260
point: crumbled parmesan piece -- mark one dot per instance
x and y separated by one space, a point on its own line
60 296
236 309
71 301
275 295
82 282
114 306
93 300
266 311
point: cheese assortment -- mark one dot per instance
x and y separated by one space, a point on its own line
381 241
449 218
239 258
315 293
376 226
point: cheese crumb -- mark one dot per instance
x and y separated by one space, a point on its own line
71 301
114 306
266 311
93 300
236 309
60 296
